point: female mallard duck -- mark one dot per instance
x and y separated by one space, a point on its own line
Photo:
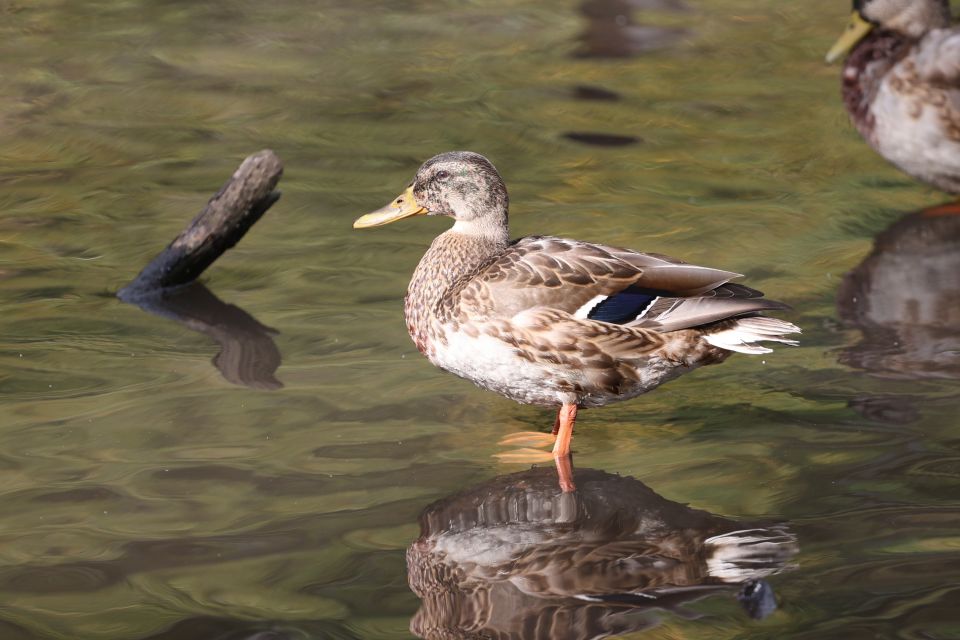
556 322
901 85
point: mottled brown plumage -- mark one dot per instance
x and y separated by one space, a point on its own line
901 85
552 321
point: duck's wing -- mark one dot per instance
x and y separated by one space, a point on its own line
936 60
605 284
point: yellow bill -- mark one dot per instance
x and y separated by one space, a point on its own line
857 28
403 206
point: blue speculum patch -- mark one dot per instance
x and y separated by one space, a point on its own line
623 307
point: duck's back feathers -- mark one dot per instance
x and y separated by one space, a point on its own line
726 301
605 284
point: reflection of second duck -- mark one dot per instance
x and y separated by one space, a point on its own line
901 85
905 299
516 554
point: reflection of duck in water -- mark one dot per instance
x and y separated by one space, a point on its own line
901 85
905 298
556 322
517 558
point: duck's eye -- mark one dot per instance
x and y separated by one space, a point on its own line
442 175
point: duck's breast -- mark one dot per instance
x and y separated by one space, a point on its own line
917 125
481 355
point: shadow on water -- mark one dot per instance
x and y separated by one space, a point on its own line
601 139
905 301
612 32
248 355
515 557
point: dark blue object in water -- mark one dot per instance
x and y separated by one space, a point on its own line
757 599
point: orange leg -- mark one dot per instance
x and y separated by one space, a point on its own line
562 434
565 473
947 209
564 429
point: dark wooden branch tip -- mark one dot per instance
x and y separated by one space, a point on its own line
227 217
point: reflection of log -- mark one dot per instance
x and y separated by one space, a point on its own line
248 356
228 215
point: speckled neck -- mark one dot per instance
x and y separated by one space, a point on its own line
863 71
453 255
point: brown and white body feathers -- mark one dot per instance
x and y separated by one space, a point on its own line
551 321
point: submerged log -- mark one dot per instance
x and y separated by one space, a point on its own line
223 222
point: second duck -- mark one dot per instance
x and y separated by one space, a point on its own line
901 85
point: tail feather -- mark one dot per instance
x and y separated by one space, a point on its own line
745 335
736 556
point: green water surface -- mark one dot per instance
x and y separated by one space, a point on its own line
144 495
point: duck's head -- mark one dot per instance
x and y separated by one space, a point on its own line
462 185
910 18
